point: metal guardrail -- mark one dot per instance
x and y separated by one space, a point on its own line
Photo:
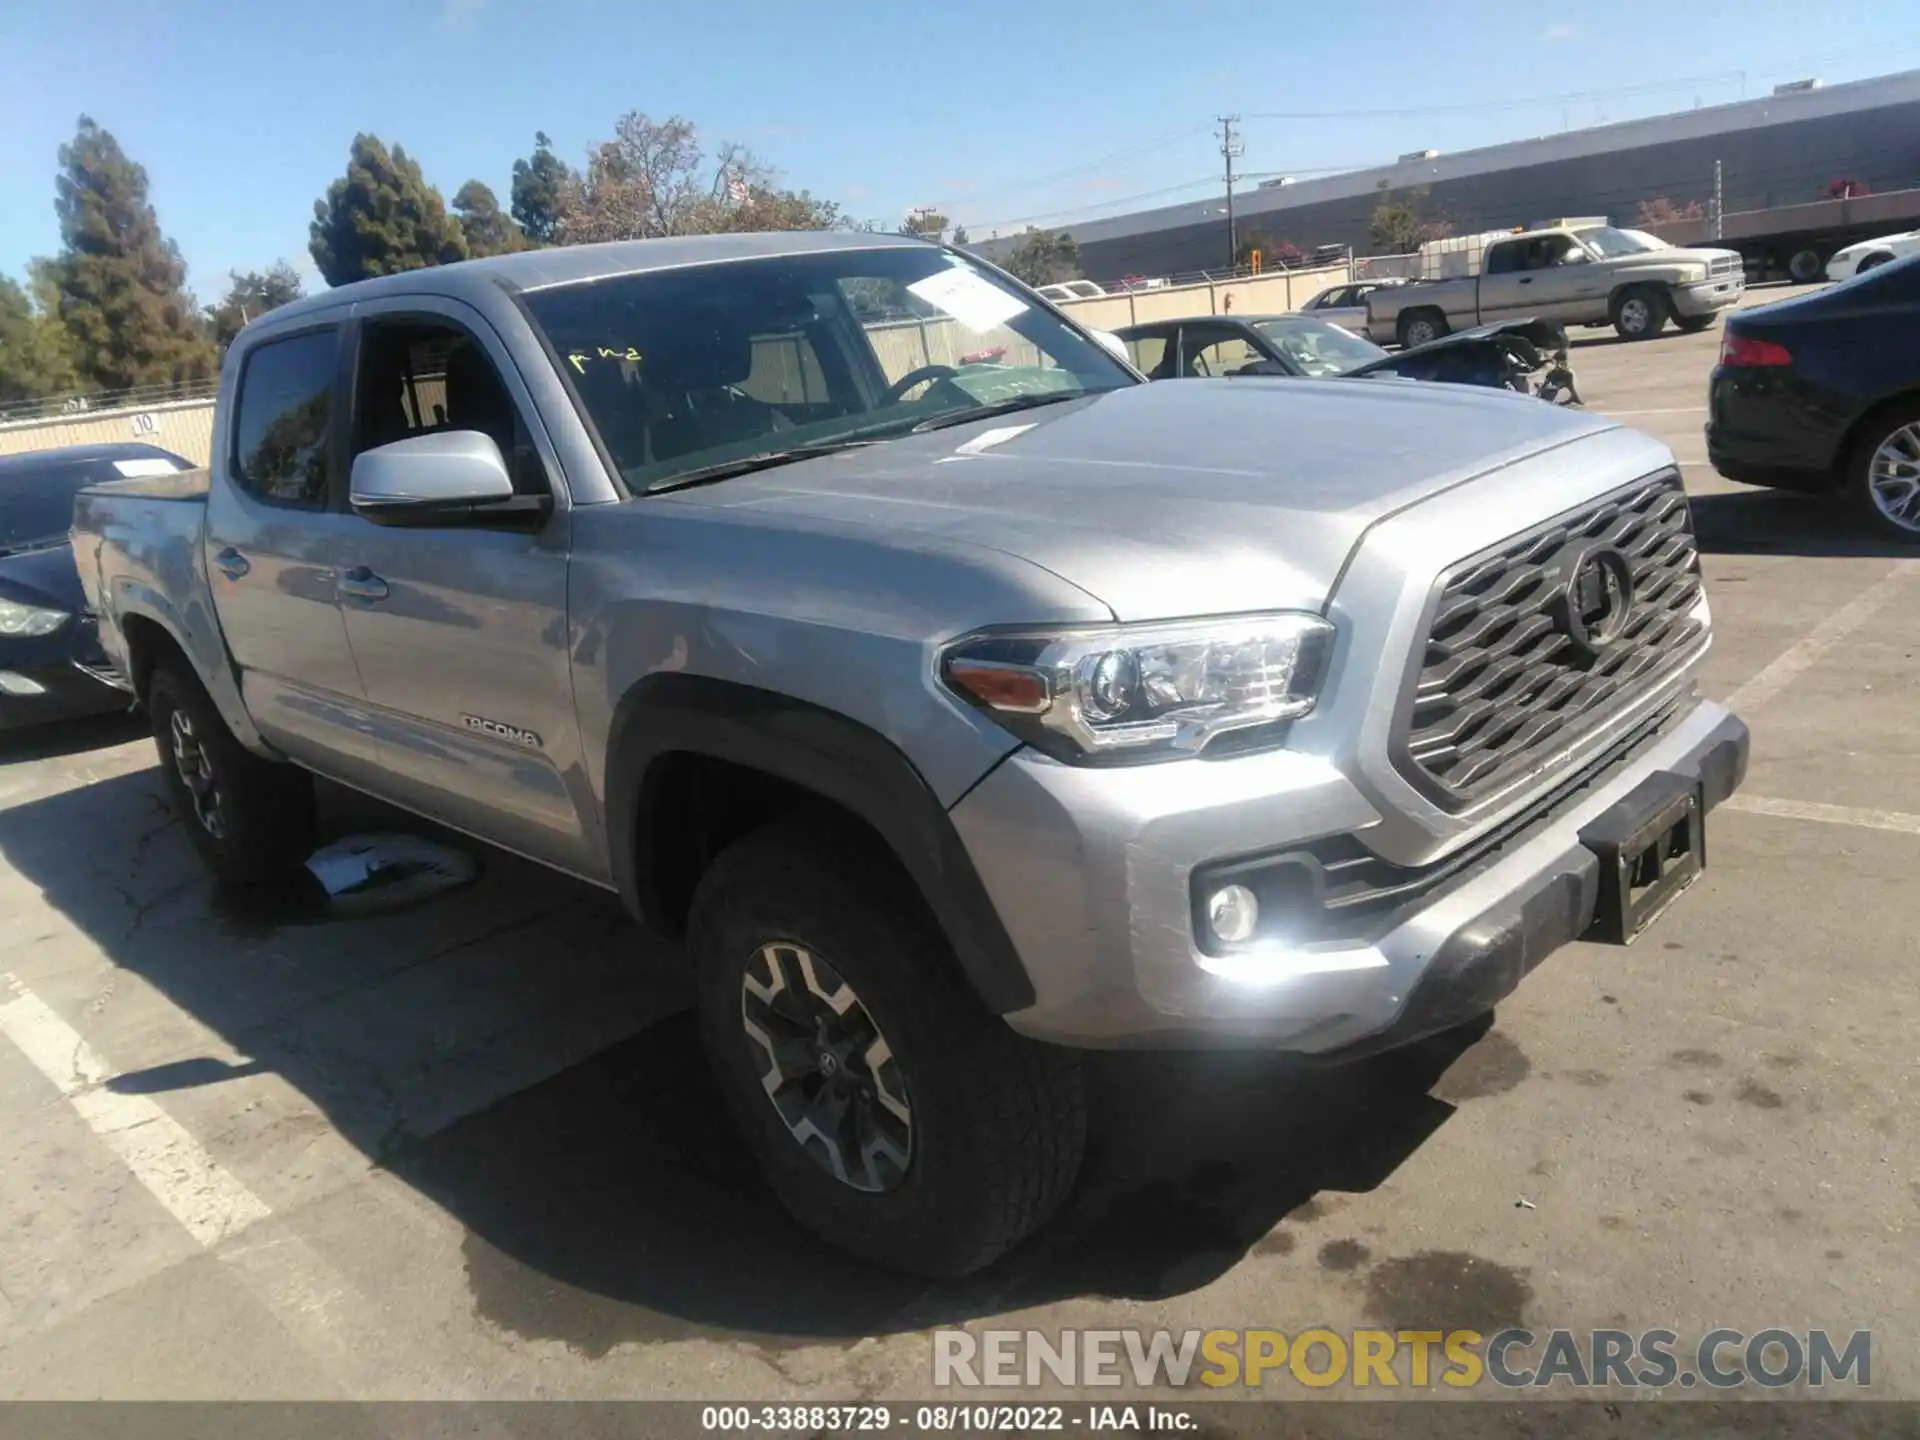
73 405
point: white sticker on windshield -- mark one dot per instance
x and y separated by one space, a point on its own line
974 302
139 469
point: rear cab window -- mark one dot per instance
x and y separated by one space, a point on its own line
283 420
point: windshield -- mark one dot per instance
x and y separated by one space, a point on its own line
685 370
1317 347
37 505
1610 243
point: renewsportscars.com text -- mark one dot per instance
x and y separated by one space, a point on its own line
1388 1359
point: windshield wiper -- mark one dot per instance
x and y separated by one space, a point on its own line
998 407
762 460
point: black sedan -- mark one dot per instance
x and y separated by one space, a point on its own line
51 664
1822 393
1525 355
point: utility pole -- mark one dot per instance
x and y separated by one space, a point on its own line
1719 196
1231 147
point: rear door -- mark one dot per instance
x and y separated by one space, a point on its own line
460 633
274 527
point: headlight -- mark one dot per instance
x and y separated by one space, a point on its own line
1694 275
1130 691
28 620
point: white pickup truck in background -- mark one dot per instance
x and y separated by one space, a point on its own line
1573 274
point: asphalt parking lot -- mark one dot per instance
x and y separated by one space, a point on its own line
470 1150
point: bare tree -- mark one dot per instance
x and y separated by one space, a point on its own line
654 178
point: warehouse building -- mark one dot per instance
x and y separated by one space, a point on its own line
1787 148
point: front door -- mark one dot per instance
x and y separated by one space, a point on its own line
460 633
273 532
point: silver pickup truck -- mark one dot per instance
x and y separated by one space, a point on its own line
1591 275
958 714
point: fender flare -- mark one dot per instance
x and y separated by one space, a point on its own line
829 755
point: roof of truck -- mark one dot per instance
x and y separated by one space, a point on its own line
567 264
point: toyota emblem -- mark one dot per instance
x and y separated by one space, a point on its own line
1594 607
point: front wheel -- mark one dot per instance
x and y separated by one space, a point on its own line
1694 324
1884 473
250 819
1639 313
890 1113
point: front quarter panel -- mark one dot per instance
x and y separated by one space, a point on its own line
843 618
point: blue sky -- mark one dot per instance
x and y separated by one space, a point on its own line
1000 115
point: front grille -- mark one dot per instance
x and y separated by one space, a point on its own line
1725 267
1502 682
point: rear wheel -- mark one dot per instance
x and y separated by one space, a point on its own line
250 819
1639 312
1806 265
891 1114
1884 473
1418 327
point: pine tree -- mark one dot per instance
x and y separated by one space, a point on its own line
121 284
539 184
488 228
252 295
381 218
36 355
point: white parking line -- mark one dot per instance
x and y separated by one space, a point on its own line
1801 657
1826 814
196 1190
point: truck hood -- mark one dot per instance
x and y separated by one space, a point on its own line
1202 497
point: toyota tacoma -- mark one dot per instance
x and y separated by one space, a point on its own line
960 701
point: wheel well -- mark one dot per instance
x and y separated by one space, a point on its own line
694 806
147 643
1857 431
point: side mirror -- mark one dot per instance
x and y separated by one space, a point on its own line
447 478
1113 343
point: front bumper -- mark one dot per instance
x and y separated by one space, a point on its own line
1709 297
1091 870
57 677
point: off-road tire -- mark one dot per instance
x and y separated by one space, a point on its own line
266 810
998 1121
1622 312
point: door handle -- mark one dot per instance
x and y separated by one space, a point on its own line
232 563
361 583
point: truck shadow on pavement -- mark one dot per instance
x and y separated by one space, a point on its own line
1784 522
519 1054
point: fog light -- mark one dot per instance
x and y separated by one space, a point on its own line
12 684
1232 913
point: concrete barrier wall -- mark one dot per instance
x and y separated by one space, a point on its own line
182 426
1258 295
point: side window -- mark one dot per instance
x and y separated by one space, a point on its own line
1505 259
283 420
416 377
1147 352
1220 355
